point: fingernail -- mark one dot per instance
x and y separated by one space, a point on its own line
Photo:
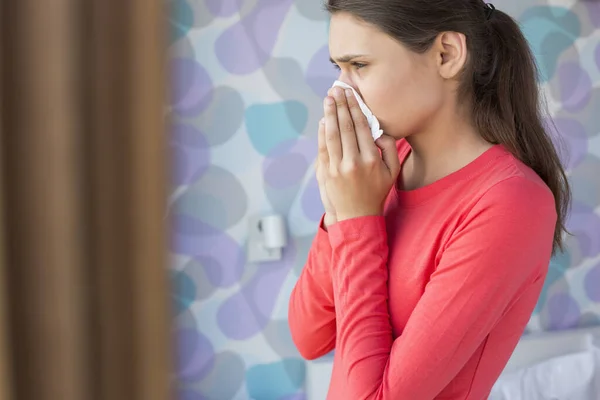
329 101
322 121
348 93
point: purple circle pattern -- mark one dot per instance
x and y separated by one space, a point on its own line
311 201
188 394
248 312
191 87
575 86
320 73
195 355
247 45
573 135
222 258
286 171
223 8
563 311
584 224
191 154
592 284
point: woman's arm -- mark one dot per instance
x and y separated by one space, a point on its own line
501 248
311 310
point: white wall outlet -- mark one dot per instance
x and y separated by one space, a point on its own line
266 239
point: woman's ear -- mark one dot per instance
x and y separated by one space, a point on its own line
451 53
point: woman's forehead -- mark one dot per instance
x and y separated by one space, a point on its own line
349 37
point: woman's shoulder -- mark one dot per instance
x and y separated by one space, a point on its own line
506 186
511 178
513 188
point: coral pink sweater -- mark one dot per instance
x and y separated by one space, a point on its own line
429 300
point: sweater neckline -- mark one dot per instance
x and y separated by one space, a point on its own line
411 198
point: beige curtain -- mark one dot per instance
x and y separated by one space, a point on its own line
84 305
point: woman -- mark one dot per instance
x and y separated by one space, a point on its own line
436 238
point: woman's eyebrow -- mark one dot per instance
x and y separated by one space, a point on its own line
346 58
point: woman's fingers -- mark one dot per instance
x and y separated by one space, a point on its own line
389 154
332 132
346 125
366 144
322 154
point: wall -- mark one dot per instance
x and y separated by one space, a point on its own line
248 77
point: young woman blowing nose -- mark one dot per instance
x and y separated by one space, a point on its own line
437 236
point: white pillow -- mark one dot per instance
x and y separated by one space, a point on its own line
571 377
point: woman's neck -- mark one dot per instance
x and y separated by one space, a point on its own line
447 145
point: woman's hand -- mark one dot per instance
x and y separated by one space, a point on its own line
330 216
357 178
321 173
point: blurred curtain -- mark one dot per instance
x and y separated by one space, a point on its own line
84 305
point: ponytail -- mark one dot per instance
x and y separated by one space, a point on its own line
507 110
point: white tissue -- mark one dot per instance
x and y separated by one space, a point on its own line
376 132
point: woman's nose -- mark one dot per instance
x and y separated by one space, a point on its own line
344 78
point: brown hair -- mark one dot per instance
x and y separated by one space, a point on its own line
500 82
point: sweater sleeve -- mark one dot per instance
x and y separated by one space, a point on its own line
499 252
311 311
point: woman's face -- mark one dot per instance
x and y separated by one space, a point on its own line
402 88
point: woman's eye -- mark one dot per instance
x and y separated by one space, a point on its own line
356 65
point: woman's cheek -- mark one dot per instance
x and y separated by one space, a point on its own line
379 104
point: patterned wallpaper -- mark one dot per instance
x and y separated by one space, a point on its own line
247 80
